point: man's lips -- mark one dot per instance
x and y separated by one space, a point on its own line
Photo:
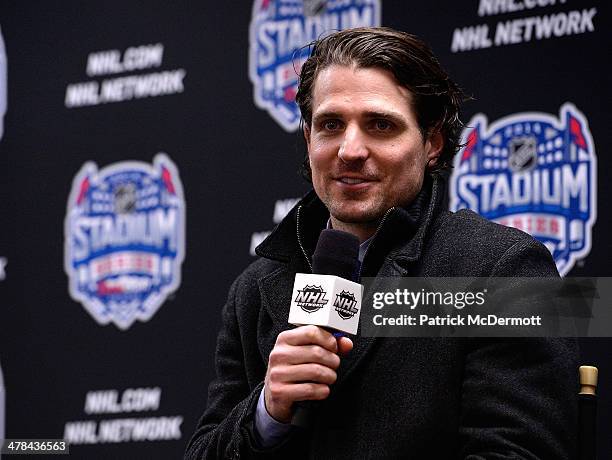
353 181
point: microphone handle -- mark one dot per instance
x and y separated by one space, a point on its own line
305 411
304 414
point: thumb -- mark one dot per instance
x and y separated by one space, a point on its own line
344 345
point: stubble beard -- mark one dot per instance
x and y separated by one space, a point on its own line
367 213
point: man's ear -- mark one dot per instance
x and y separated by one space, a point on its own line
306 131
434 146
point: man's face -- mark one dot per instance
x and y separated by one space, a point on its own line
365 148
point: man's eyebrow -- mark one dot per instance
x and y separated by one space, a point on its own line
322 115
385 115
370 114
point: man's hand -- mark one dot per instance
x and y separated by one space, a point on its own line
301 367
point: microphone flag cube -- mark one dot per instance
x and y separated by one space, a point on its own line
327 301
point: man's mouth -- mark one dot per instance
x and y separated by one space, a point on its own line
352 180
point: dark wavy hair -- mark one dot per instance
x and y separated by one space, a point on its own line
436 98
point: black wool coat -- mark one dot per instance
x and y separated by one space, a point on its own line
408 398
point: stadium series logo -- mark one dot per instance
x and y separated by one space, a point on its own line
125 239
311 298
345 305
534 172
279 31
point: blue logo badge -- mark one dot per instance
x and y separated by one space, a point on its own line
534 172
125 239
279 30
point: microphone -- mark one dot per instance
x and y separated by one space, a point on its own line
329 297
337 253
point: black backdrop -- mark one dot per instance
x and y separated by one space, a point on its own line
235 163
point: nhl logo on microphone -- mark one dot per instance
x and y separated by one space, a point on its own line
345 305
311 298
327 301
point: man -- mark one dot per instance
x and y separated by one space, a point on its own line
381 124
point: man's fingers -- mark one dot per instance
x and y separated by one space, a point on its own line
301 367
303 373
285 354
301 392
309 335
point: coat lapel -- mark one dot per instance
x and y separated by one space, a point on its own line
275 291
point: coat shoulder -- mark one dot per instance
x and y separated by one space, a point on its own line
469 227
466 241
248 280
260 267
245 291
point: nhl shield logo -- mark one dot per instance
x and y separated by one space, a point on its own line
125 239
311 298
279 31
346 305
535 172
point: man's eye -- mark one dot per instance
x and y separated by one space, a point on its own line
331 125
382 125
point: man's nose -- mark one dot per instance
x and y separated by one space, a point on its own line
354 145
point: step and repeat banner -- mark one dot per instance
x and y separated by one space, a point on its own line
147 148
